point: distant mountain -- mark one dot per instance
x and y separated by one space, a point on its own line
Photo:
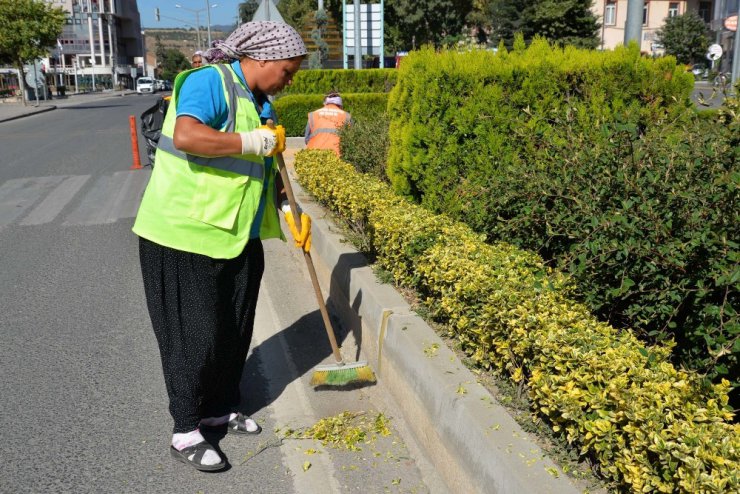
226 28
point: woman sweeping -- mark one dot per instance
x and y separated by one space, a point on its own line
211 200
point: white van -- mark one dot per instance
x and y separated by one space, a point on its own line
145 85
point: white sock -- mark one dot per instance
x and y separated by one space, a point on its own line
186 439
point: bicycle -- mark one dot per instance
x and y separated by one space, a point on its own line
721 81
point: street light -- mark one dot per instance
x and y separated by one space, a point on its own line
208 8
197 20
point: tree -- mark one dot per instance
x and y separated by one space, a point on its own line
28 28
566 22
685 37
412 23
247 10
479 21
317 57
171 63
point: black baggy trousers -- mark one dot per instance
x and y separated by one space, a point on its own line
202 310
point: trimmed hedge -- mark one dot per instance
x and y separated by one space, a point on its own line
294 109
598 162
321 81
468 114
650 426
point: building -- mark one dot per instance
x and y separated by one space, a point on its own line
612 14
100 46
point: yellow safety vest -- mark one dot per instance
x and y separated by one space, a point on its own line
207 205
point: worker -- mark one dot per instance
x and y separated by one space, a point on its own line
197 59
211 200
322 129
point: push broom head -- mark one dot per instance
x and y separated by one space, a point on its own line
342 374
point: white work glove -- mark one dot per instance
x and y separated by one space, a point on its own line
262 141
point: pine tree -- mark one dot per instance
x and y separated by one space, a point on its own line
685 37
566 22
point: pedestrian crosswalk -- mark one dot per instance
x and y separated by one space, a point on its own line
72 199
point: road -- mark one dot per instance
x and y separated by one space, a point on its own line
83 401
705 97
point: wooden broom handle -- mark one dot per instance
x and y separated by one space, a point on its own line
309 261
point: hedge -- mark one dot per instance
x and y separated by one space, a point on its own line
293 109
651 427
598 162
321 81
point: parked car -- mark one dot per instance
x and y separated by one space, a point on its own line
145 85
700 71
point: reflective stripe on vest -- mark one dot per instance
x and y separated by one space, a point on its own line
335 124
226 163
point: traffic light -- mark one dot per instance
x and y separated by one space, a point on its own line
156 13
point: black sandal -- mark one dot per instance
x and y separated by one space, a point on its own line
197 451
236 425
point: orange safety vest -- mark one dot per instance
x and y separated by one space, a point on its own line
323 125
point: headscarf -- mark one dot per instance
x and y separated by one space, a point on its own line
333 100
263 40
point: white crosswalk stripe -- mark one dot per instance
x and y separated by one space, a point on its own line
53 203
72 199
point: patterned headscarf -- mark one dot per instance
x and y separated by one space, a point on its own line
333 98
264 40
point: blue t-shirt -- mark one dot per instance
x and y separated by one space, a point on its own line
202 97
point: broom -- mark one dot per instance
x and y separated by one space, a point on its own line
340 373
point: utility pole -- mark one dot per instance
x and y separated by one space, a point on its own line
208 12
92 42
633 28
358 36
736 52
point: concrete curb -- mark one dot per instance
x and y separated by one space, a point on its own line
28 113
471 440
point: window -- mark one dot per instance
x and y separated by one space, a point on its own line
610 13
645 14
673 9
705 11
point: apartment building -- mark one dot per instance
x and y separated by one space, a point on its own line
613 16
99 45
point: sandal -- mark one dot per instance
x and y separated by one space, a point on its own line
237 425
192 455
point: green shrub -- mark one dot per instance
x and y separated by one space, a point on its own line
598 162
364 145
648 425
321 81
293 109
648 226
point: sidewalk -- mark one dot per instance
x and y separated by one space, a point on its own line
469 438
12 111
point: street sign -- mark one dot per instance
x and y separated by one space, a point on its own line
731 23
371 24
714 52
34 75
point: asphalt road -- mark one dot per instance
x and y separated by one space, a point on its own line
84 407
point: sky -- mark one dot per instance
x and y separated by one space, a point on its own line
225 12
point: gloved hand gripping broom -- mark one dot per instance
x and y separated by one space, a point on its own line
340 373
